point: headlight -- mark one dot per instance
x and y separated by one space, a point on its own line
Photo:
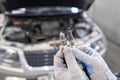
83 29
9 57
98 45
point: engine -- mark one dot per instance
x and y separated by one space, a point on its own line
35 30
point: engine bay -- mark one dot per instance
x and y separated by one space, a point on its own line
35 30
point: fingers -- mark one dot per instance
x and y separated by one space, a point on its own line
82 56
70 58
88 50
59 60
69 55
94 53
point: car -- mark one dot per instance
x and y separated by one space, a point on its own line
29 37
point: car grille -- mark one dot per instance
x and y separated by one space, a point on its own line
40 58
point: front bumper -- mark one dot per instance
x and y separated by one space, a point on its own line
30 72
25 70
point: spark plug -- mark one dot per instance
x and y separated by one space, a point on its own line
63 40
70 37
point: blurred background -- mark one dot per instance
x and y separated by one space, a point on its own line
106 14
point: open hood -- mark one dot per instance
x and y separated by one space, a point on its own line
8 5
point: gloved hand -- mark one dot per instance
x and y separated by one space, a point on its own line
66 66
95 66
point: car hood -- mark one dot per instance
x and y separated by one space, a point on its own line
9 5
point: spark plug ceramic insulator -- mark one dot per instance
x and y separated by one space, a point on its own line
63 40
70 37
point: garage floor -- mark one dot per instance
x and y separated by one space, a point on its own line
112 57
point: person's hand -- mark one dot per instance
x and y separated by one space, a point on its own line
66 66
95 66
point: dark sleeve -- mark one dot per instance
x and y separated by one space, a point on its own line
118 76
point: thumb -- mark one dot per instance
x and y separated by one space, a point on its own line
70 58
59 60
